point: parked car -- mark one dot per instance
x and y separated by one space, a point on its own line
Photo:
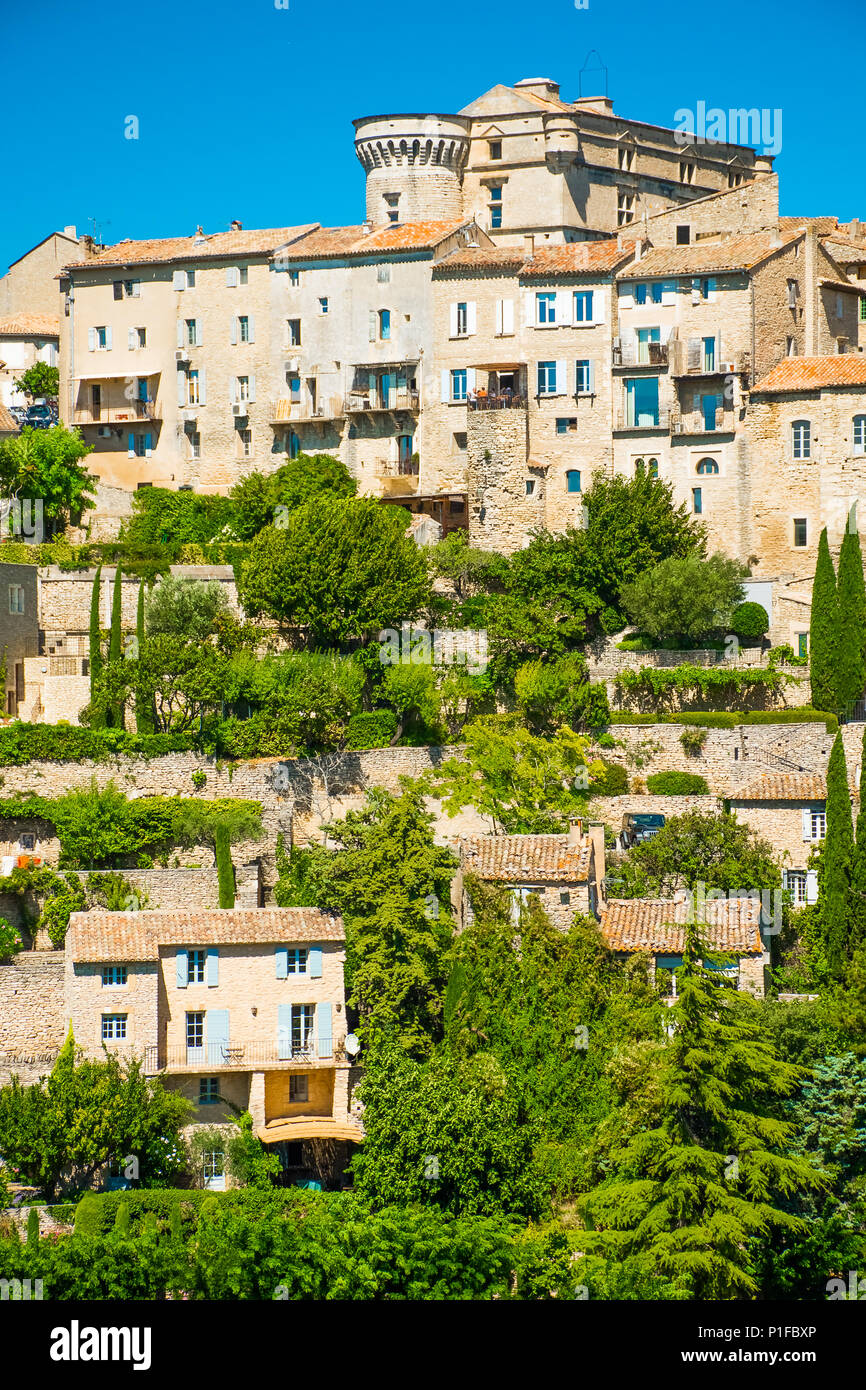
40 417
639 826
18 413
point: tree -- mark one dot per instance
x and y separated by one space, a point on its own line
835 865
685 597
261 498
223 823
698 847
552 693
750 621
143 707
524 784
824 631
115 647
696 1165
189 609
468 569
851 617
39 380
857 900
45 466
342 570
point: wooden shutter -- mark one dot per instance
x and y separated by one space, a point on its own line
118 289
445 385
372 325
252 328
471 316
132 339
178 280
452 320
324 1026
590 375
216 1034
181 388
91 339
130 446
811 885
564 306
213 966
470 379
314 962
202 387
598 305
181 959
108 337
528 308
561 378
233 334
693 355
148 445
252 389
180 333
284 1032
807 824
233 389
507 317
199 335
281 959
231 276
500 317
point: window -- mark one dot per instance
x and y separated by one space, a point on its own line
246 441
545 307
860 434
495 193
114 975
494 149
190 279
818 824
460 441
323 305
27 840
795 884
656 292
113 1027
709 354
697 501
640 294
297 960
645 336
191 333
793 292
530 487
196 969
802 644
140 445
840 307
583 306
863 310
800 531
194 444
684 235
301 1027
102 336
642 402
565 897
214 1169
383 274
625 157
192 388
707 287
209 1090
624 209
243 388
244 328
195 1030
791 346
547 378
652 467
687 171
572 480
140 337
708 466
801 439
132 289
384 324
462 320
582 375
294 445
735 178
458 384
299 1089
564 426
16 598
294 278
294 327
243 274
456 506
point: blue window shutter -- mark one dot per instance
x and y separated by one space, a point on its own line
148 445
314 963
130 446
281 955
213 966
182 959
217 1034
284 1032
323 1023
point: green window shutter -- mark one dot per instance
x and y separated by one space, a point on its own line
314 963
324 1025
281 955
182 960
213 966
284 1032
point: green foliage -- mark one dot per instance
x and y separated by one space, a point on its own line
412 692
115 893
835 866
39 380
198 778
143 708
250 1163
552 693
750 620
161 515
824 630
677 784
609 779
185 608
114 709
295 702
371 729
45 465
685 596
32 1227
225 868
341 570
261 498
725 719
699 847
661 685
468 569
851 612
693 740
27 743
10 939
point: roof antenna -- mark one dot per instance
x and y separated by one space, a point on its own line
598 66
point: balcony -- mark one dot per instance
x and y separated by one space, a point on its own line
640 354
284 412
660 420
691 360
249 1056
698 423
397 468
125 414
366 402
505 401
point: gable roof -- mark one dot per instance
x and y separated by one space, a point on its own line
782 786
481 258
194 248
393 236
580 257
525 858
814 373
138 936
30 326
731 254
658 925
8 423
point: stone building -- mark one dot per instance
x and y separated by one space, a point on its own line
729 927
19 632
235 1009
789 810
565 872
30 284
25 339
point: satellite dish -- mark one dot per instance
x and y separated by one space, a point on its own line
353 1047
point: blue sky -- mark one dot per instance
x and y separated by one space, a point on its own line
245 110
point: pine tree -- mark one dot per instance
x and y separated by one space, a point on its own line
95 646
824 631
836 864
115 643
143 710
851 600
698 1164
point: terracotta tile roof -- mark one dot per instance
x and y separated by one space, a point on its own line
8 423
354 241
845 251
706 258
30 326
579 257
125 936
481 258
821 224
813 373
782 786
655 925
525 858
188 248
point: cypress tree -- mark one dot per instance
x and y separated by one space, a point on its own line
115 643
143 711
836 864
858 872
225 869
32 1227
851 599
95 644
824 631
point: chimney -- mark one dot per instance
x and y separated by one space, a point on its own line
529 245
575 831
811 293
71 232
596 839
236 226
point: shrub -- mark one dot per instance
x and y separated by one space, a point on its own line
677 784
750 620
199 779
613 781
371 730
10 939
693 739
54 743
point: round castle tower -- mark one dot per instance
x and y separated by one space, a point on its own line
414 166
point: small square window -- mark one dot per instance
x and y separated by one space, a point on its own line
113 1027
113 975
495 149
530 486
565 897
323 305
209 1090
299 1089
684 235
294 278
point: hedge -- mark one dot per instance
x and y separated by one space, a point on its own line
729 719
58 743
613 781
373 729
96 1212
677 784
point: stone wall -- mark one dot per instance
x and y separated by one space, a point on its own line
33 1018
65 595
611 809
753 207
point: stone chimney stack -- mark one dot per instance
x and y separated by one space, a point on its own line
811 294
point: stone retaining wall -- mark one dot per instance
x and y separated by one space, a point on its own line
33 1021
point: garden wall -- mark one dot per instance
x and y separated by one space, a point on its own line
33 1022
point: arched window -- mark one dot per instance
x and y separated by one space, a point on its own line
638 465
860 434
801 439
708 466
572 480
652 467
